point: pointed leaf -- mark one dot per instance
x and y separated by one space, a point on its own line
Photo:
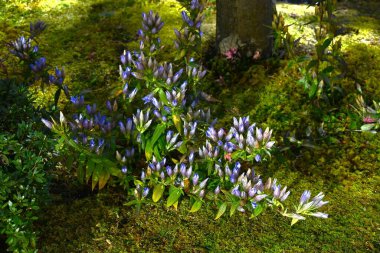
104 175
175 205
95 177
89 169
221 211
56 96
173 196
294 221
234 206
177 122
132 202
196 206
158 191
258 210
367 127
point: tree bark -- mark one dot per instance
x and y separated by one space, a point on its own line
250 20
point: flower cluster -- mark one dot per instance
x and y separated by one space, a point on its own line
189 39
22 47
36 68
151 22
308 208
370 116
243 138
164 131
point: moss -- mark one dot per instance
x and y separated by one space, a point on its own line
87 38
96 224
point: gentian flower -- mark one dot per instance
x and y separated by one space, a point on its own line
195 179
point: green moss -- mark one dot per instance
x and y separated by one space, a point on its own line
87 38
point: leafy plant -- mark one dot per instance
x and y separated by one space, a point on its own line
24 158
177 151
325 68
284 42
370 116
34 68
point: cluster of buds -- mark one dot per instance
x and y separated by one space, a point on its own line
38 65
141 120
155 43
278 193
81 122
36 28
21 48
77 100
140 192
126 128
195 21
189 129
199 189
200 114
152 22
160 169
209 151
308 208
175 98
247 187
91 110
196 73
171 141
58 77
98 148
131 95
242 136
184 38
102 123
195 5
129 152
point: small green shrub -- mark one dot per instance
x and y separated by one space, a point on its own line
24 159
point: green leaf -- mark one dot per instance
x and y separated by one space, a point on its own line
157 153
183 148
95 175
234 206
162 96
56 96
158 191
160 129
177 122
180 55
258 210
326 43
174 195
69 161
294 221
221 211
196 206
104 175
367 127
313 90
132 202
311 64
328 69
89 169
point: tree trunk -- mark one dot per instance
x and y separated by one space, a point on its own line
248 20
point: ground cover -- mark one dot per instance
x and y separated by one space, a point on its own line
87 38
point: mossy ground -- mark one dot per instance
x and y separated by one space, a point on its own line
87 38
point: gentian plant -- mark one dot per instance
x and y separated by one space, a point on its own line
155 138
35 69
